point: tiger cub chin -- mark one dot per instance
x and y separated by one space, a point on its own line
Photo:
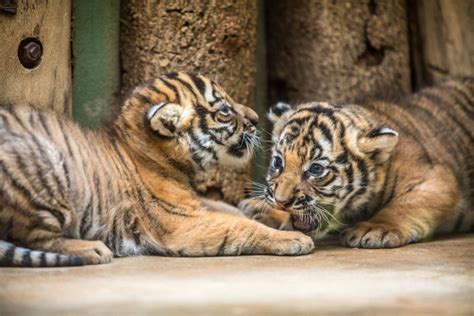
75 196
386 174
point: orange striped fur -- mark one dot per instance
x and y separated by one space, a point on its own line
77 196
387 173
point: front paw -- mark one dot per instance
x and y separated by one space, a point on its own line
266 215
374 235
291 244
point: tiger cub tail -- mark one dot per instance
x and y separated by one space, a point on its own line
13 256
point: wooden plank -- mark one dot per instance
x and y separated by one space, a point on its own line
96 83
49 84
442 39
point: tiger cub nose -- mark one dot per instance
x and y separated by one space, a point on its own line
283 201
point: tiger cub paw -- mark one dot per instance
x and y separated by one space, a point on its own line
92 251
256 210
291 244
374 235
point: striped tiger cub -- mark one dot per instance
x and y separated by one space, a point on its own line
71 196
385 173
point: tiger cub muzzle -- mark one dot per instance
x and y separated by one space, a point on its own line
298 204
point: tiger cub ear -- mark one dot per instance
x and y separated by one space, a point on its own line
277 110
378 143
164 118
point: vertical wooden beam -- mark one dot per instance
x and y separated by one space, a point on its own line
261 161
442 39
48 84
96 83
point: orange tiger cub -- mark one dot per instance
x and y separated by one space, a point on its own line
386 173
71 196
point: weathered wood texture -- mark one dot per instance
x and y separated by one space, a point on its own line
49 84
215 38
336 50
442 39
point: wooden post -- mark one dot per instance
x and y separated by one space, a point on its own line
442 39
336 50
47 83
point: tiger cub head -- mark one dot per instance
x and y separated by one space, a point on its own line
328 163
189 120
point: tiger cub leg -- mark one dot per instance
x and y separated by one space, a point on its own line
258 210
217 233
92 251
411 216
38 230
44 239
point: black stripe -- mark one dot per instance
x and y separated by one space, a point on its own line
18 120
341 158
326 132
43 262
112 238
143 98
26 258
98 188
199 83
57 260
392 191
66 139
317 109
7 259
86 222
187 85
169 208
135 231
222 246
172 88
362 168
66 172
42 120
154 89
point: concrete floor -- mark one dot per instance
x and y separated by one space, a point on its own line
430 278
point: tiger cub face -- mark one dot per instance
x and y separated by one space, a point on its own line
327 163
190 119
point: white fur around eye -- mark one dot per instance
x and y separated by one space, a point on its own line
208 94
152 111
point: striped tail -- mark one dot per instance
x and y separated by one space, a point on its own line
13 256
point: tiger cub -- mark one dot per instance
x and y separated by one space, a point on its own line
77 196
388 174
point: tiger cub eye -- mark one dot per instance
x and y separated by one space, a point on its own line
316 170
224 115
